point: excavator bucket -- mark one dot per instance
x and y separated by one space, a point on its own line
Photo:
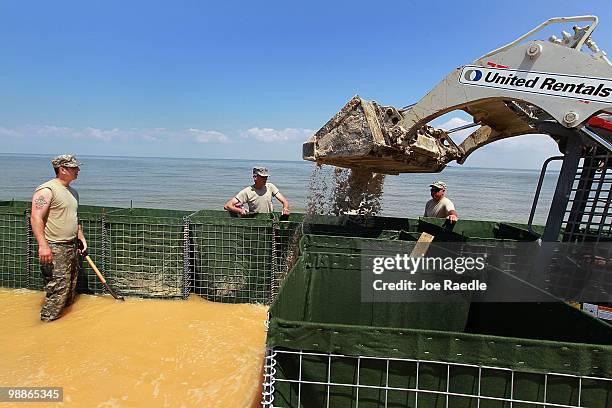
368 136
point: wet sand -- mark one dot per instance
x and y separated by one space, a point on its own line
137 353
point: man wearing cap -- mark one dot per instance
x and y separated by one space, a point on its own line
439 206
56 228
257 198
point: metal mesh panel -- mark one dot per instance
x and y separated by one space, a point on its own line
588 216
286 242
307 379
162 253
582 269
93 230
13 249
232 260
145 256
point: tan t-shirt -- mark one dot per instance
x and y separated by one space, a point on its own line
62 223
259 201
439 209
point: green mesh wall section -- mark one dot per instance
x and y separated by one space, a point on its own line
14 246
163 253
167 253
145 252
232 258
327 348
286 237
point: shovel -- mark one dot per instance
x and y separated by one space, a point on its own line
95 269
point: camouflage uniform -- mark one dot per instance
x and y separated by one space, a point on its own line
60 280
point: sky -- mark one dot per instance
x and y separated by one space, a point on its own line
242 80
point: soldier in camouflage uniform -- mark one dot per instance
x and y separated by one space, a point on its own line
55 226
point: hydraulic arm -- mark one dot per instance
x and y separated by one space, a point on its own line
528 86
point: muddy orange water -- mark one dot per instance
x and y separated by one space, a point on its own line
137 353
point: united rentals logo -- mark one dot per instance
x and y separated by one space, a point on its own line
564 86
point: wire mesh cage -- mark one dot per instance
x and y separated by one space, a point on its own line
145 253
14 247
240 260
328 348
297 378
232 262
162 253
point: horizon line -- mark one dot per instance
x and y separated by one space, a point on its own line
452 165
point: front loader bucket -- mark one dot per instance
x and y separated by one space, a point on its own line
366 135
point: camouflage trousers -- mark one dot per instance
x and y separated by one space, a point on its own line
60 280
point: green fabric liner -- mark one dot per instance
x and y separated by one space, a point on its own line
347 245
538 321
538 356
147 212
324 287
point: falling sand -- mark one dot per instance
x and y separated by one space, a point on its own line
137 353
337 191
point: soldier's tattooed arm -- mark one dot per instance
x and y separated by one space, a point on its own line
40 202
38 219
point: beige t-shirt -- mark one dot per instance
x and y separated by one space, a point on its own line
259 201
439 209
62 223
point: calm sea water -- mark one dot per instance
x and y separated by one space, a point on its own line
193 184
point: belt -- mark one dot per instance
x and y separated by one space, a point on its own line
65 243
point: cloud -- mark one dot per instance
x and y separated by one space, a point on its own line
100 134
456 122
152 135
148 135
12 133
268 135
525 151
207 136
47 130
531 143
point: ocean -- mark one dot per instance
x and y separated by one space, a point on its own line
193 184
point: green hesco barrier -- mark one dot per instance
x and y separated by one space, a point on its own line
163 253
159 253
14 245
241 259
232 257
327 348
146 252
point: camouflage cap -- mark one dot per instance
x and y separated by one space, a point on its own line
260 171
438 184
65 160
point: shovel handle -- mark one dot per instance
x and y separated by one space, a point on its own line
95 269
